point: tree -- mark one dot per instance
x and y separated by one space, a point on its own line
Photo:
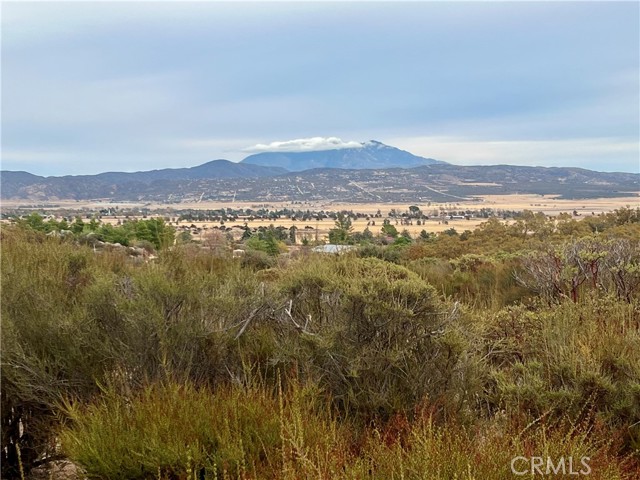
365 237
217 243
264 243
77 226
143 232
389 229
94 224
625 215
162 234
246 235
534 223
341 234
34 221
414 211
568 226
292 234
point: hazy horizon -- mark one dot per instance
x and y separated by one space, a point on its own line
288 149
126 86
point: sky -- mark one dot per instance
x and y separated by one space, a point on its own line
88 87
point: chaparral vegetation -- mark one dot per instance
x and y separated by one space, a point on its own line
137 353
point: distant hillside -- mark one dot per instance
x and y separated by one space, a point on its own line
213 169
438 183
113 184
371 154
12 184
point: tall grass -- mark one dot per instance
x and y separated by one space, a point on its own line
177 431
486 451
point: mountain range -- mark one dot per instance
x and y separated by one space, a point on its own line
373 171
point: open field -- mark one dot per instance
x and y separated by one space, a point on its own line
320 229
308 229
545 203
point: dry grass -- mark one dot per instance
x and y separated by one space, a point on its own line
548 204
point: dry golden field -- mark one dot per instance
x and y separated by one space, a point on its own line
548 204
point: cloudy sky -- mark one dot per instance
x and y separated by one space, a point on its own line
90 87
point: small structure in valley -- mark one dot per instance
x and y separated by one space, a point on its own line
333 248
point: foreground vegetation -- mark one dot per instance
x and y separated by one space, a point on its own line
441 357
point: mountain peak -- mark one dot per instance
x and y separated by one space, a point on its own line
370 154
375 144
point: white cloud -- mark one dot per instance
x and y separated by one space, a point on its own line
304 145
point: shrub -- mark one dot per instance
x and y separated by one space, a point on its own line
72 319
375 335
559 360
363 347
257 260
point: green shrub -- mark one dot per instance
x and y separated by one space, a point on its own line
72 319
559 360
375 335
257 260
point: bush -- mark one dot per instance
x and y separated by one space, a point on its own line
376 336
73 319
257 260
390 254
563 359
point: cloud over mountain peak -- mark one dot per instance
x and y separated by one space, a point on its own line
312 144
